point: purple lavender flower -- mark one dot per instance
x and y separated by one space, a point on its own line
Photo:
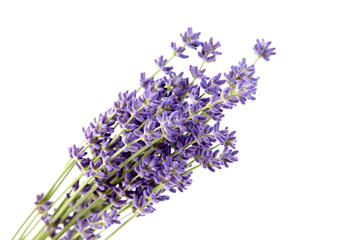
148 167
93 221
195 72
178 51
191 39
228 156
42 204
111 218
145 82
209 51
212 86
170 173
161 62
68 235
82 228
262 49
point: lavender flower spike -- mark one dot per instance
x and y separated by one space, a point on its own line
191 39
209 51
178 51
262 49
161 62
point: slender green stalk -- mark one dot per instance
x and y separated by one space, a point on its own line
40 234
192 169
70 167
257 59
22 235
84 198
189 164
67 189
59 212
160 69
27 234
33 211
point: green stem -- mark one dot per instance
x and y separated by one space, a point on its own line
189 164
54 187
215 147
41 235
70 167
21 236
59 212
24 222
191 169
83 199
67 189
32 228
257 59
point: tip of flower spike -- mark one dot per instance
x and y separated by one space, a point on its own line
191 39
262 49
209 51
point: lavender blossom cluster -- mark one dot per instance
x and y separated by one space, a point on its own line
163 135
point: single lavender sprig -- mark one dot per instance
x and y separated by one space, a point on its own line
262 49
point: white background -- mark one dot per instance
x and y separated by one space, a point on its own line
64 62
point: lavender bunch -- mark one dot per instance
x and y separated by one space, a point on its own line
146 145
